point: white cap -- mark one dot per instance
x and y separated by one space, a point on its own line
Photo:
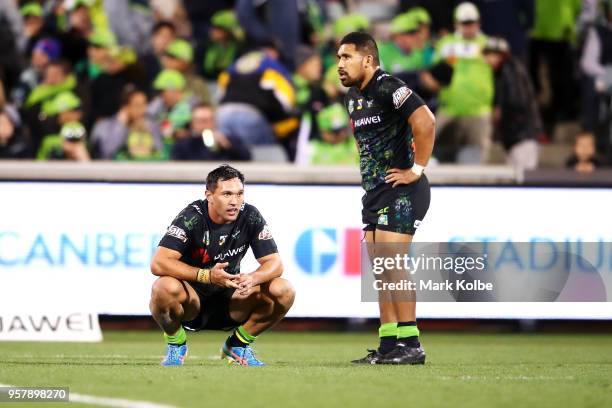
466 12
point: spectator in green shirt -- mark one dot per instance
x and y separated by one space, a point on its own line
336 145
464 127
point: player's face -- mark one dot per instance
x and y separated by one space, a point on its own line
227 199
351 65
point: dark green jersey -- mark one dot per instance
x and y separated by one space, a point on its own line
379 115
202 243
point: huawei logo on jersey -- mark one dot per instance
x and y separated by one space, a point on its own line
367 121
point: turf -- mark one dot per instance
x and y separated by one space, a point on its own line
311 370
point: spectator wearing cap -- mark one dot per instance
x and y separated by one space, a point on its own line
112 135
74 26
179 56
171 109
33 24
258 100
45 51
464 127
57 78
335 147
397 55
111 67
162 34
224 42
70 142
424 52
206 142
516 117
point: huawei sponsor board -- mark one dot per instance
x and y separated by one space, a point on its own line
87 246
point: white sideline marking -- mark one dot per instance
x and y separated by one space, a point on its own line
110 402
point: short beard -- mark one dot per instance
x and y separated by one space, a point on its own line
354 82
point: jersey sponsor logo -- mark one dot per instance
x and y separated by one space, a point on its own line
351 106
400 95
265 233
367 121
197 209
369 102
222 239
230 253
177 233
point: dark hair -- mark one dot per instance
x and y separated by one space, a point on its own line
128 92
61 64
222 173
163 24
364 43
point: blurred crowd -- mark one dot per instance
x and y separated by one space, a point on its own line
152 80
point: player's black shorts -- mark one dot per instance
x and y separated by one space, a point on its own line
214 311
400 209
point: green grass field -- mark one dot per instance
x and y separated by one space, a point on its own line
311 370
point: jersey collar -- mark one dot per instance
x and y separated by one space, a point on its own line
372 82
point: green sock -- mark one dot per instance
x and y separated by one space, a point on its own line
388 337
240 338
179 338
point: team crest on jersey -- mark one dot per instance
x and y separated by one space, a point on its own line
351 106
222 239
400 95
265 233
177 233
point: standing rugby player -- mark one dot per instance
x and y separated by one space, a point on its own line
395 132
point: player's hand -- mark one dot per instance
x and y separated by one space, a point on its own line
245 284
400 176
219 277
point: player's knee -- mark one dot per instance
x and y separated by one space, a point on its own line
282 291
166 288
